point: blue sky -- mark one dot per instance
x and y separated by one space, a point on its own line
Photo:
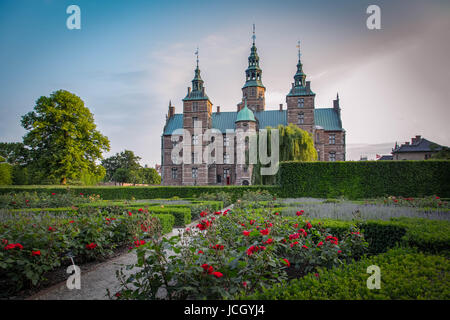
131 57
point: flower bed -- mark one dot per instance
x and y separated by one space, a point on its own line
34 244
242 250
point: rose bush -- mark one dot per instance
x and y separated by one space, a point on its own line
244 250
33 244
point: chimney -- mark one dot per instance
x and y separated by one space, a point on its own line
218 109
416 140
308 83
281 107
171 110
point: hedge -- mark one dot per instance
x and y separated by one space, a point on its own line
5 174
432 236
364 179
404 275
153 192
182 216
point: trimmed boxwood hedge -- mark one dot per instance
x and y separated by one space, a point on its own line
432 236
182 215
405 274
154 192
364 179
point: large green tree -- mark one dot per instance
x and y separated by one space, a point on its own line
295 145
124 160
62 138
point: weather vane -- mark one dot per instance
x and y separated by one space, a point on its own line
299 53
253 36
196 52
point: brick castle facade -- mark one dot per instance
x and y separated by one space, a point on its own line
324 124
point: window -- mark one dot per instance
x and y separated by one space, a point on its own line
195 139
301 102
301 118
245 168
226 158
194 157
174 173
253 93
194 173
226 141
195 107
195 122
332 156
332 139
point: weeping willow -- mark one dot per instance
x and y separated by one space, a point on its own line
295 145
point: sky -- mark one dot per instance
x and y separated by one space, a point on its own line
131 57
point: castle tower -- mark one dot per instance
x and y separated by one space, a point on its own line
245 122
300 100
197 111
253 90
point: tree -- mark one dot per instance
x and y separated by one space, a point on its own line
125 160
150 176
443 154
295 145
15 153
62 138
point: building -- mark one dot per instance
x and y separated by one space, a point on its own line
323 124
419 149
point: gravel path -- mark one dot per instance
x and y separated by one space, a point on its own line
95 281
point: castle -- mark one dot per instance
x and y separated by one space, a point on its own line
324 124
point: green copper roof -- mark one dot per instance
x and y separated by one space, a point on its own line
245 114
300 91
253 83
327 118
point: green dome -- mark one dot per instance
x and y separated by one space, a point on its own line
245 114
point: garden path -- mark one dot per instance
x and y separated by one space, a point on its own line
95 281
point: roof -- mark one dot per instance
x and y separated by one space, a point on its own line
327 118
245 114
419 145
386 157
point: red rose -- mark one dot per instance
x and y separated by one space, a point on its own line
304 247
199 252
53 194
36 253
265 232
287 263
140 210
308 225
246 233
294 243
268 241
320 244
217 274
129 213
50 229
316 275
217 212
